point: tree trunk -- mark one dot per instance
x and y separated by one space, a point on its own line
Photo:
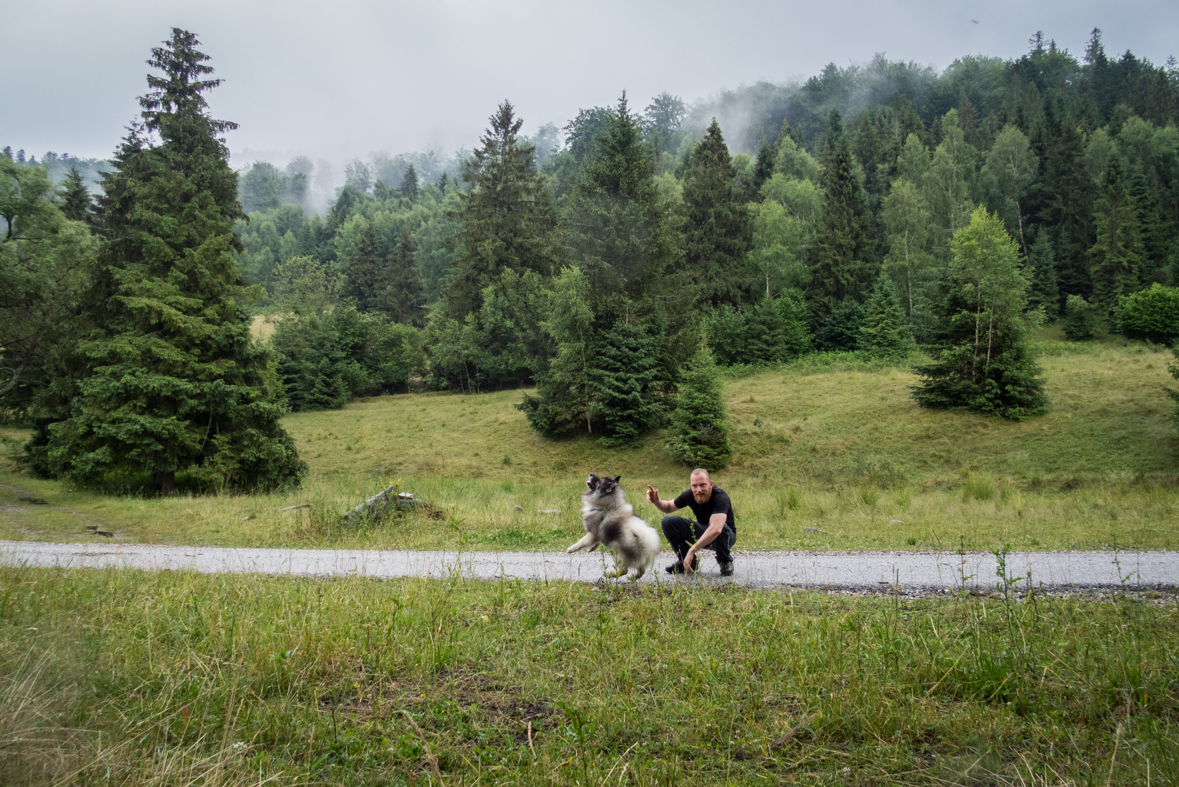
167 482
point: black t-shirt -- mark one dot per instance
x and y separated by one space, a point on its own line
719 503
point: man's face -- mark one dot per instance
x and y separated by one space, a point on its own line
701 487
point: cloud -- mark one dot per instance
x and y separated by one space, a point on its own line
344 79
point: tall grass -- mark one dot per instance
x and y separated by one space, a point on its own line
136 678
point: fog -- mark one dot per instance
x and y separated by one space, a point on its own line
362 78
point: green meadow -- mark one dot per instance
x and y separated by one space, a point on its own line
125 677
831 453
133 678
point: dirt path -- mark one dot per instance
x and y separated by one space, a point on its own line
918 572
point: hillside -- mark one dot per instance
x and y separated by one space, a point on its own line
829 453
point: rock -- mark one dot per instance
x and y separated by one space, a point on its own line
548 510
292 508
519 508
813 530
895 522
376 505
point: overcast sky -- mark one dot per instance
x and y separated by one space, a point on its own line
356 76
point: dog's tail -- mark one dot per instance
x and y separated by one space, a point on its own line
649 538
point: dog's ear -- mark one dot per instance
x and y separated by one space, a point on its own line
617 479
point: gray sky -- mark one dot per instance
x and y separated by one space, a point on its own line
355 76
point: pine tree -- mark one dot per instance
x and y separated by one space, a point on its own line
1115 256
565 392
508 219
409 184
1067 209
170 379
844 264
884 333
366 279
404 300
698 435
842 329
616 226
76 204
627 381
1044 292
987 366
717 230
763 170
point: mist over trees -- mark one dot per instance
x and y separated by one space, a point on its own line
884 209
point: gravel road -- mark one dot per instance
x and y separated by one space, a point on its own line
913 572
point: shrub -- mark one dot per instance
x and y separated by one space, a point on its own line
1151 314
1080 319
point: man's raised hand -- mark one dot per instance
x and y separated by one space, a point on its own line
652 495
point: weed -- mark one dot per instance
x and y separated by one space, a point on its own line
977 487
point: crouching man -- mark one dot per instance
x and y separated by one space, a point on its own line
713 529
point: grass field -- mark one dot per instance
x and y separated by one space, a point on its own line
831 453
122 677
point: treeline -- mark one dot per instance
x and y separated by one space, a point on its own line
876 210
642 235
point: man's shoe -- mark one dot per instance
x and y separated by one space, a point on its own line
726 567
678 566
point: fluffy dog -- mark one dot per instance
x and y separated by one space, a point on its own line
611 522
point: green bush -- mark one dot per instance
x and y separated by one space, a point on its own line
1080 319
1151 314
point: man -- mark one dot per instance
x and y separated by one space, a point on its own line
713 529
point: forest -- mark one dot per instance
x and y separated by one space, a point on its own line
611 266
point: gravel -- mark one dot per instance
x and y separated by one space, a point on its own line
907 572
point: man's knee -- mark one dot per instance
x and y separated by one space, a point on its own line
668 523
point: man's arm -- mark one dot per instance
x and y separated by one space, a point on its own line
716 523
666 506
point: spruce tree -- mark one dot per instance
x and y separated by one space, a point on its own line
1115 257
1067 209
508 219
366 279
717 229
884 333
76 204
565 392
763 170
409 184
698 434
628 384
403 299
987 366
1044 292
844 264
170 379
616 226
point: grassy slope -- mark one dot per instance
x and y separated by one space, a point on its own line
829 455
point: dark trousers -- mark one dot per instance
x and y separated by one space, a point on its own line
681 533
